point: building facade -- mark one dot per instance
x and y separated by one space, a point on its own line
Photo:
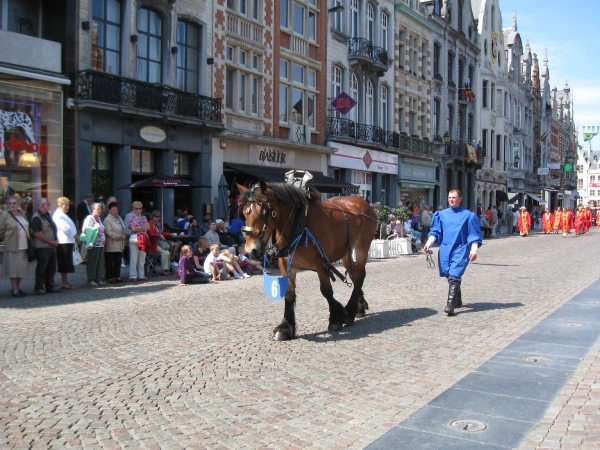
32 79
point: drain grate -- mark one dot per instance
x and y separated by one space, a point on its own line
536 359
572 324
468 425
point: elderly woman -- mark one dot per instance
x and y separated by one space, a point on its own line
95 254
67 237
116 235
137 224
14 230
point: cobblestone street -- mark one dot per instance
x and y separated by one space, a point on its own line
158 366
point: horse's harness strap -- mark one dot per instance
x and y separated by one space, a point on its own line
266 210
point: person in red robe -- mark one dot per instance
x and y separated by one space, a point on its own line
580 221
566 221
588 220
524 222
557 220
547 221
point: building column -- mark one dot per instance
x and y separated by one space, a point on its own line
83 179
166 199
201 170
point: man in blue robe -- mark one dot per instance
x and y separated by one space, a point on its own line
457 231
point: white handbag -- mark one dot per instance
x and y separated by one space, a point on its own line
77 259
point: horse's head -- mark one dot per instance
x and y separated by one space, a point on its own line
257 207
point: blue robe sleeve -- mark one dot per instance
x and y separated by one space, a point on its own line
436 228
474 233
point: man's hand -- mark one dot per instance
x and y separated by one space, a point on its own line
472 257
426 248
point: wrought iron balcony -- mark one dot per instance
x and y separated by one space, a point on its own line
364 51
115 90
359 132
458 150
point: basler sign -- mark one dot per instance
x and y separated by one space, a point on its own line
271 156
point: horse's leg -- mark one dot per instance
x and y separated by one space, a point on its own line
286 330
357 305
337 314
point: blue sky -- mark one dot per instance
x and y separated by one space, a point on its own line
570 33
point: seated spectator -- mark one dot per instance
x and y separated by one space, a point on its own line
182 221
225 238
235 229
158 242
186 271
195 229
213 266
201 252
228 259
485 226
213 237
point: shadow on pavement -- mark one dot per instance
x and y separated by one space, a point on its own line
481 306
372 324
497 265
80 295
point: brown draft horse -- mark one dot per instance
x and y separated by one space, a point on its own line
340 225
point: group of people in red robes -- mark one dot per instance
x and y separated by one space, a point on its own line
564 219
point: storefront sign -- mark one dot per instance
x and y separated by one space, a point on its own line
543 171
152 134
554 165
270 156
351 157
18 145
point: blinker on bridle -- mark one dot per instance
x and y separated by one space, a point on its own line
266 210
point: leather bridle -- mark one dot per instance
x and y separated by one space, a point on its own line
266 211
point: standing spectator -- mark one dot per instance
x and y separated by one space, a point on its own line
45 241
14 231
457 230
426 217
499 215
494 222
105 211
67 238
84 209
95 259
116 235
509 221
137 257
515 220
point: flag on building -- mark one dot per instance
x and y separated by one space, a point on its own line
468 92
471 154
590 132
543 137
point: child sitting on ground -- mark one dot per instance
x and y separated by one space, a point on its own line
246 263
213 266
186 270
230 261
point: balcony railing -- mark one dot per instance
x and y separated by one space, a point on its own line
107 88
458 150
360 132
365 49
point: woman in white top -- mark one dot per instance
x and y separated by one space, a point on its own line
67 238
95 255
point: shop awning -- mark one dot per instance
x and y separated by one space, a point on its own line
501 196
320 182
536 198
513 198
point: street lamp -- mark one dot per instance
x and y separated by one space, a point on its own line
517 160
446 138
337 8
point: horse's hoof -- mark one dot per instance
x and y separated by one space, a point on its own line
335 327
281 335
360 314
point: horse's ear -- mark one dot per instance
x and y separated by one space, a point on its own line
263 187
241 188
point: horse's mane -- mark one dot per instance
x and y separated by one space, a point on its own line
285 193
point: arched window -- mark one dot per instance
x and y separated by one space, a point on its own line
460 15
106 36
149 46
354 94
370 103
384 31
188 51
383 115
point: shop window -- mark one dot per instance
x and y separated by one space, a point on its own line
149 46
188 51
142 161
182 164
106 36
101 171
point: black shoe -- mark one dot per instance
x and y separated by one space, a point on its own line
19 294
40 292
